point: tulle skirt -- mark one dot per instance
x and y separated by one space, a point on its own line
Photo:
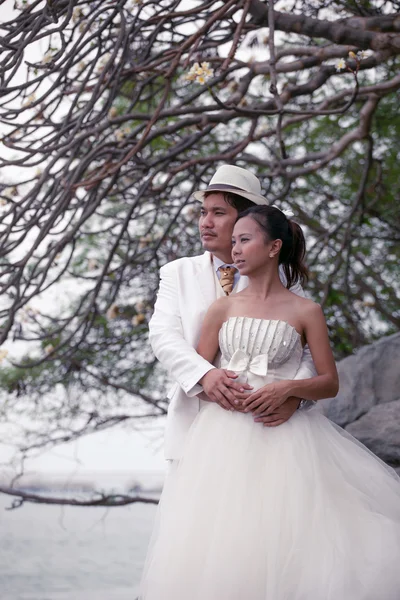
297 512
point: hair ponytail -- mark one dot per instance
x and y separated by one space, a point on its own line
276 226
292 256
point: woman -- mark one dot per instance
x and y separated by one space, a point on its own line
298 512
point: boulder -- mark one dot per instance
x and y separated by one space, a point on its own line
368 403
367 378
379 430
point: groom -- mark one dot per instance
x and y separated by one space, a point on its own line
188 287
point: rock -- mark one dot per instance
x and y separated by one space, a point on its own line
368 378
379 430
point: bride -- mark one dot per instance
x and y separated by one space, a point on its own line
297 512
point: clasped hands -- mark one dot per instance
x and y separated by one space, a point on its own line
270 405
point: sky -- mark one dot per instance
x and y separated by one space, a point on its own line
119 451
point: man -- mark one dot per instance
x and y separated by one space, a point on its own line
188 287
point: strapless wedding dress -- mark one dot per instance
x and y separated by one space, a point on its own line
297 512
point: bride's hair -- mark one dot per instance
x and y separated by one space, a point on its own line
276 226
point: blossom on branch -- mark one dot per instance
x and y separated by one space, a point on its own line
200 73
30 100
112 312
341 64
48 57
138 319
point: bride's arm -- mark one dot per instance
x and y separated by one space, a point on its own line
208 343
326 382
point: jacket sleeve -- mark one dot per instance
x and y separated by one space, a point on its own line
167 340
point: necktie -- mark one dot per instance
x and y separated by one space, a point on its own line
227 278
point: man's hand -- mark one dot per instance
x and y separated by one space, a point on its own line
281 414
220 386
267 399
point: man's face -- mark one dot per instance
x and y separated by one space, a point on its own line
216 222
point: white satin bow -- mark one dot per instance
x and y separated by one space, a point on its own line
256 368
287 213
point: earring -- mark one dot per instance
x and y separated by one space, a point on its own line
271 256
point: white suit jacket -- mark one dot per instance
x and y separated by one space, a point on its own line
187 289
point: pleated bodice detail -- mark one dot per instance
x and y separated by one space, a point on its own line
243 339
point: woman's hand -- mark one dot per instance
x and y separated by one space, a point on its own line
281 415
267 399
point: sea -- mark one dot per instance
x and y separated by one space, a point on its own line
72 553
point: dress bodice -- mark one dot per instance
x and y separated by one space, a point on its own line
260 350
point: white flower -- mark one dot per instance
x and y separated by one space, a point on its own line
103 61
138 319
192 212
122 133
31 311
140 306
191 76
22 5
113 112
362 54
30 100
92 264
369 303
3 354
200 73
132 4
77 14
113 312
207 70
341 64
48 57
145 241
10 192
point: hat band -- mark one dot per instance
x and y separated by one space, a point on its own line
223 187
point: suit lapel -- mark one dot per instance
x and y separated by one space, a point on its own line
205 279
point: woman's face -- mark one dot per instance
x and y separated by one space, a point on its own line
251 252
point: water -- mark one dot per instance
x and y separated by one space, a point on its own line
67 553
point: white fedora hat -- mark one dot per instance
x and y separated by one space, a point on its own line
236 180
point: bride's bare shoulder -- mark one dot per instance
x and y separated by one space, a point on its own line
307 306
311 314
